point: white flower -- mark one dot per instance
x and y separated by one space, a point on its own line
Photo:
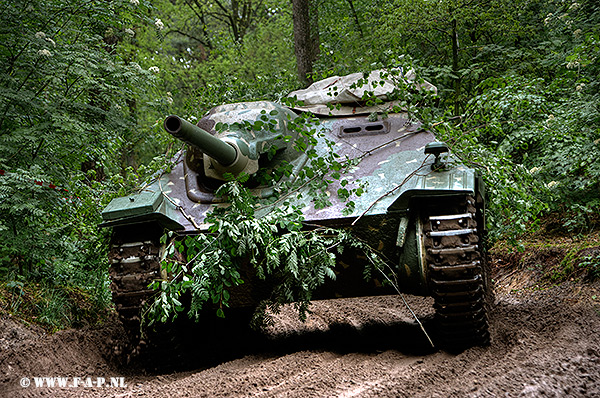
49 40
579 87
135 2
154 69
572 64
40 35
534 170
577 33
159 24
574 6
44 53
130 32
552 184
550 118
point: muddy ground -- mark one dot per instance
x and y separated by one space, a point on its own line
546 343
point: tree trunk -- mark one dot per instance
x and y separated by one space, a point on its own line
306 38
356 21
457 82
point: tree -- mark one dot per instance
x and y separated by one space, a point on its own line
203 21
306 38
461 41
64 96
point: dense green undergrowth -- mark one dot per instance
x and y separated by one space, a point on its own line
53 307
553 253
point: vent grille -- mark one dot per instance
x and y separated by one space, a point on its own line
364 128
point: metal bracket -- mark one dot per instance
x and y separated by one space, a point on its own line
402 231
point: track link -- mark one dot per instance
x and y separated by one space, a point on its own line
457 272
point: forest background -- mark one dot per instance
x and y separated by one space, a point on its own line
85 85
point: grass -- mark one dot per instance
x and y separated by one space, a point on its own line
555 255
53 307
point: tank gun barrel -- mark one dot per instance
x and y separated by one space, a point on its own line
229 154
212 146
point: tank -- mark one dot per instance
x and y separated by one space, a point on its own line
421 208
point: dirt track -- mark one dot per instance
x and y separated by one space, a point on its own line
545 343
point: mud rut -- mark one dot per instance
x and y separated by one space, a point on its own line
544 343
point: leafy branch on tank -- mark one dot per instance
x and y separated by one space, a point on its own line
276 246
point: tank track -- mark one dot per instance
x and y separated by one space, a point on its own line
175 344
457 272
133 266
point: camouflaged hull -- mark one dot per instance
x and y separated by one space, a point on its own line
427 222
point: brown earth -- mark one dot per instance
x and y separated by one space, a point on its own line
546 342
